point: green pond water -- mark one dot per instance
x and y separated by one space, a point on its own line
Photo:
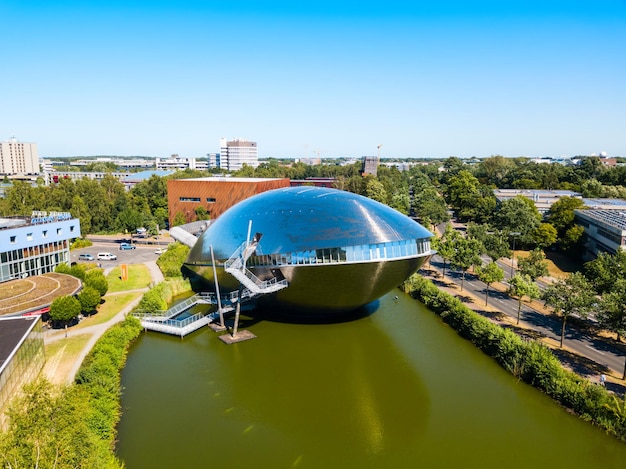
393 388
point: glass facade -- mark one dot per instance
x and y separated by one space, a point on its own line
348 254
33 260
23 366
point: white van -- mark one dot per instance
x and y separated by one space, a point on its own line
106 256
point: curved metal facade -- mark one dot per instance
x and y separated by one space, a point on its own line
337 250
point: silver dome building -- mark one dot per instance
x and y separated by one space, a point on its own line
308 249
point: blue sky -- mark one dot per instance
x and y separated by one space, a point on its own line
424 79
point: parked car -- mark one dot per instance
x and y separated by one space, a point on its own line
127 246
86 257
106 256
159 251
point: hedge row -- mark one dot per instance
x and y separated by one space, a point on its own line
530 361
160 296
100 372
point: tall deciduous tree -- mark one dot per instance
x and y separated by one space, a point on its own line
545 235
605 269
569 297
495 242
534 265
489 274
445 245
561 213
466 254
520 286
518 215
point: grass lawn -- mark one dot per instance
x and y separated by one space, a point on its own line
70 346
138 277
112 305
559 265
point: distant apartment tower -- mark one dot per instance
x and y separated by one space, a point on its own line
18 158
235 153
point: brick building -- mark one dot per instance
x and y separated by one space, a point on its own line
214 194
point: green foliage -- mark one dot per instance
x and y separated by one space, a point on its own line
64 309
95 278
466 254
89 299
518 215
489 274
534 265
374 189
545 235
99 376
522 285
531 361
81 242
171 261
48 428
561 213
159 297
605 269
63 269
569 297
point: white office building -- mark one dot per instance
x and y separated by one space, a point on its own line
18 158
36 245
235 153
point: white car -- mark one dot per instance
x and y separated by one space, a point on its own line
159 251
106 256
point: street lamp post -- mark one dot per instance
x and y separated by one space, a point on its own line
515 234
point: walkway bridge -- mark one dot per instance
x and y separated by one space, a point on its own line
251 288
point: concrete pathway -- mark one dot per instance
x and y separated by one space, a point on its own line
96 331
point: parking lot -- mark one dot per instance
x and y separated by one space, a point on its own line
139 255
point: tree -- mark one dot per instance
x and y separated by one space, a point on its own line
545 235
605 269
179 219
495 242
489 274
464 195
561 213
401 202
569 297
374 189
518 215
520 286
572 239
89 299
534 265
446 245
95 278
429 204
466 254
64 308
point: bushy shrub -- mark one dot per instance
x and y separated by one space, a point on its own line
99 375
171 261
89 299
81 243
95 278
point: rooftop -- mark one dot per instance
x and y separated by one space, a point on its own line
235 179
615 218
12 332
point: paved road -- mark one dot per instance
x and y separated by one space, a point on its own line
576 339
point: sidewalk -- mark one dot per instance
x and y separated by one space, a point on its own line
94 332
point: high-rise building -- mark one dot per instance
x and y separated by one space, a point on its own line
369 166
235 153
18 158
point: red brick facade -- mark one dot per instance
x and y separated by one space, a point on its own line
216 195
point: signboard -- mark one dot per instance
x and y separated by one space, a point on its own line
124 271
